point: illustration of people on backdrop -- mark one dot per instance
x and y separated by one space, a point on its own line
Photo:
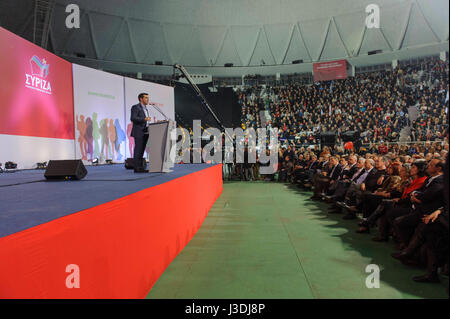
95 134
120 138
104 140
81 127
130 138
89 139
112 138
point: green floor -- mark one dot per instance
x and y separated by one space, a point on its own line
269 240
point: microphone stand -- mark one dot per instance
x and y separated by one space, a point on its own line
201 97
161 112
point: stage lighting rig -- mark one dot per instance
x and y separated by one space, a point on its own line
95 161
109 161
1 169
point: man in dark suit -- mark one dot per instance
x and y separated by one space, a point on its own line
426 200
373 181
357 187
348 169
327 177
351 168
299 165
322 166
308 170
140 118
344 184
335 171
369 185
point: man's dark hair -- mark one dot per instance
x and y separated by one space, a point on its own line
141 95
441 164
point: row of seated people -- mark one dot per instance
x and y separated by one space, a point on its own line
405 201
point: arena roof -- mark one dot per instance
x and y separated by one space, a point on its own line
259 36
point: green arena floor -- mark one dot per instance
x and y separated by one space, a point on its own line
269 240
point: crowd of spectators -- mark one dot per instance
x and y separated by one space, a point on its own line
377 105
401 195
393 182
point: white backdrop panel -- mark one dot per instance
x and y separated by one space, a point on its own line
99 115
26 151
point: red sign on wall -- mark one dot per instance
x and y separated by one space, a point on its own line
332 70
35 90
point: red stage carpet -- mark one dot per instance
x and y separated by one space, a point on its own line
121 247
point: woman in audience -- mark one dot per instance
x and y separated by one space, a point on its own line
392 188
418 177
387 190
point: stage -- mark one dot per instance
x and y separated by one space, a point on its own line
120 228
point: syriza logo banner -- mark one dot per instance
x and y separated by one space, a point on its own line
35 90
39 72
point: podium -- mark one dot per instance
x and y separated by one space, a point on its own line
160 144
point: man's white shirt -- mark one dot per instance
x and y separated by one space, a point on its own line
146 113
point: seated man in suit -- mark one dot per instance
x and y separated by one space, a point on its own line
285 168
372 183
140 118
344 185
321 167
433 233
357 185
369 184
300 163
348 170
426 200
309 170
327 177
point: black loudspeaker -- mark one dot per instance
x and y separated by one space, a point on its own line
65 169
350 136
328 138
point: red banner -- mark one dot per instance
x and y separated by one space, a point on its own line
332 70
35 90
